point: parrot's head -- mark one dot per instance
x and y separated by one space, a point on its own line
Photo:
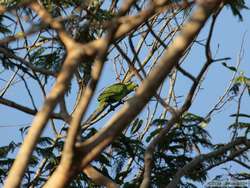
131 86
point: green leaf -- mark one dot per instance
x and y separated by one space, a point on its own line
5 150
45 141
236 7
232 68
159 122
24 130
235 88
34 160
4 30
103 160
153 134
44 152
136 126
53 161
193 119
120 175
7 162
34 55
240 79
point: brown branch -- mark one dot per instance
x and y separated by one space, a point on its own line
185 73
129 74
29 92
188 101
130 23
223 100
235 153
12 104
25 109
148 158
200 158
98 178
42 164
48 19
8 84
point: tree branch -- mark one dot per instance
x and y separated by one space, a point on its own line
25 109
98 178
200 158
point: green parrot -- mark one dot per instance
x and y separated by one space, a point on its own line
115 93
111 94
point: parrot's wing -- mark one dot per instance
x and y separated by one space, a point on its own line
111 91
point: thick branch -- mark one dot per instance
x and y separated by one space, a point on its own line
181 172
233 154
98 178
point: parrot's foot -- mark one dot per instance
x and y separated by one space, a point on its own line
111 108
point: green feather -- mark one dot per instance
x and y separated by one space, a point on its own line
115 93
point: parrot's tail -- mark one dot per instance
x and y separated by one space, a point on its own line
94 116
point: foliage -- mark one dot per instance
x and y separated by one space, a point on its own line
236 6
241 80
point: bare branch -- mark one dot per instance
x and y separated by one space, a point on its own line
25 109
